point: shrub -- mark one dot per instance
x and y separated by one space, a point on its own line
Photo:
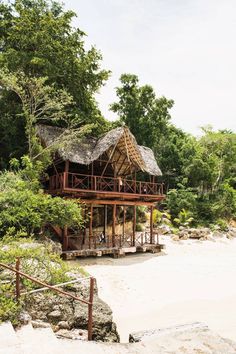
36 260
139 227
184 218
161 217
23 210
179 199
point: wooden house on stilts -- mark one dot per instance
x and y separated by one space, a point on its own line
102 173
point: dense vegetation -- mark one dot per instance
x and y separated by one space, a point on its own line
47 75
199 173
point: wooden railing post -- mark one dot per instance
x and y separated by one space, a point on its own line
95 183
90 309
65 241
17 279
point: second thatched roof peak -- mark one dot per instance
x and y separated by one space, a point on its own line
118 144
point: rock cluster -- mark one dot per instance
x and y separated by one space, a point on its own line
203 233
65 314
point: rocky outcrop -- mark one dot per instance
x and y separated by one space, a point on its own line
203 233
66 314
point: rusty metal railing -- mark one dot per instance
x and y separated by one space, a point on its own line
89 302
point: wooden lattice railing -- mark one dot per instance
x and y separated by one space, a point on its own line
77 181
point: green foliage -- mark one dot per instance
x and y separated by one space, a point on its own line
139 227
36 260
182 198
138 107
198 173
161 217
141 214
39 43
184 218
26 210
213 162
222 224
9 308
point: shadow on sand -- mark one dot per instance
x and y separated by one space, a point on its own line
129 259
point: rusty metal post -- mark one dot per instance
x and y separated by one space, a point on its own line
90 309
17 279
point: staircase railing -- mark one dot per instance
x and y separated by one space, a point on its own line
89 302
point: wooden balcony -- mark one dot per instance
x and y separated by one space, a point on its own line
87 186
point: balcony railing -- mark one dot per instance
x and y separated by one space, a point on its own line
75 181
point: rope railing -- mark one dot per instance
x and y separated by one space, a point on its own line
89 302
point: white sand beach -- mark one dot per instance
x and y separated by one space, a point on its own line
194 281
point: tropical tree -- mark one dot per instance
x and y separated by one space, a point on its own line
37 38
138 107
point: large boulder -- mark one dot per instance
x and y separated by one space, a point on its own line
66 313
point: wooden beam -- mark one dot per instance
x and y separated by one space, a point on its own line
113 225
134 225
67 165
121 165
109 158
91 226
105 221
117 202
85 224
151 225
65 239
65 176
124 215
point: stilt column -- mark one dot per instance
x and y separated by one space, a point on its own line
65 238
151 225
123 231
114 225
134 225
91 226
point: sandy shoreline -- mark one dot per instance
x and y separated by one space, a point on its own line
195 281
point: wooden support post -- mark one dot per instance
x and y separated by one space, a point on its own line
85 224
123 231
105 221
90 309
114 225
151 225
91 226
65 239
67 166
134 225
17 279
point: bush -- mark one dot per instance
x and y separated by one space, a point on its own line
26 211
222 224
179 199
139 227
9 308
36 260
161 217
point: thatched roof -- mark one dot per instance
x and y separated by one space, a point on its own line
119 145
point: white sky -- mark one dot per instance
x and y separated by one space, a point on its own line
185 49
